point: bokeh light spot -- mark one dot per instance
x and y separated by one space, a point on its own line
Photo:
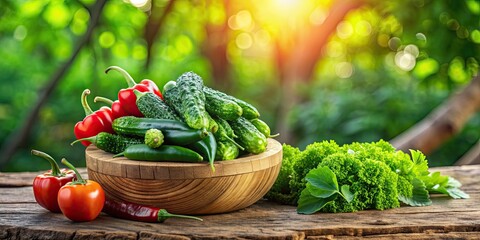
20 33
244 41
106 39
344 69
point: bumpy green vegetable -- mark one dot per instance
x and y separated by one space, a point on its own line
262 127
222 123
111 143
226 150
248 136
151 106
222 133
218 105
188 99
154 138
248 111
212 124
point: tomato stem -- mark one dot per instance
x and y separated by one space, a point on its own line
55 168
79 180
85 105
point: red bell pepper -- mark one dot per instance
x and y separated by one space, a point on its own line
116 106
80 200
47 185
126 96
94 122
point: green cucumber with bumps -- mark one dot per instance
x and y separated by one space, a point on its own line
152 106
248 135
111 143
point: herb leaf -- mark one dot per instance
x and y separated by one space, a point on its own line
345 189
420 196
308 204
322 182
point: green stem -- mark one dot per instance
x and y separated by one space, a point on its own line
104 100
125 74
164 215
138 94
55 168
235 143
92 139
85 105
79 180
274 135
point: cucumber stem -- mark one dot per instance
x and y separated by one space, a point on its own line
118 155
84 102
104 100
274 135
125 74
55 168
235 143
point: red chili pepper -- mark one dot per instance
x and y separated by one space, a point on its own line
81 200
138 212
46 186
117 110
126 96
94 122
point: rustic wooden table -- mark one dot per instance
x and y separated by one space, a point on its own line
22 218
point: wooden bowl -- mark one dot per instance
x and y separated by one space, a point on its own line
187 188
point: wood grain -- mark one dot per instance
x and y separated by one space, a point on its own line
22 218
187 188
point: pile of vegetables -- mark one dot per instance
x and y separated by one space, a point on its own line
331 178
186 122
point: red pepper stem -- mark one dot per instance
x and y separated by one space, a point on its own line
104 100
92 139
79 180
164 215
85 105
55 168
128 78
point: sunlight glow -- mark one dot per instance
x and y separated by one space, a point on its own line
241 20
344 30
405 60
244 41
344 69
139 3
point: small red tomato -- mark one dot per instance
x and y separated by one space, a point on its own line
81 200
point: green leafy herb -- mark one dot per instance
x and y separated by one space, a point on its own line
322 188
420 196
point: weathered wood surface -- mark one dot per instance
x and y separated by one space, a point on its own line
22 218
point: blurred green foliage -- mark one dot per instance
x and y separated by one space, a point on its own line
386 67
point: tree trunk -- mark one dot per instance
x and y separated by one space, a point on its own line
471 157
17 138
297 62
443 122
215 50
156 19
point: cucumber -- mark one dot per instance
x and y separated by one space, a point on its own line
154 138
226 151
111 143
163 153
223 135
248 135
217 105
212 124
226 127
263 127
187 98
175 132
152 106
248 110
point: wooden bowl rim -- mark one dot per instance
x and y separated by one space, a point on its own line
102 162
